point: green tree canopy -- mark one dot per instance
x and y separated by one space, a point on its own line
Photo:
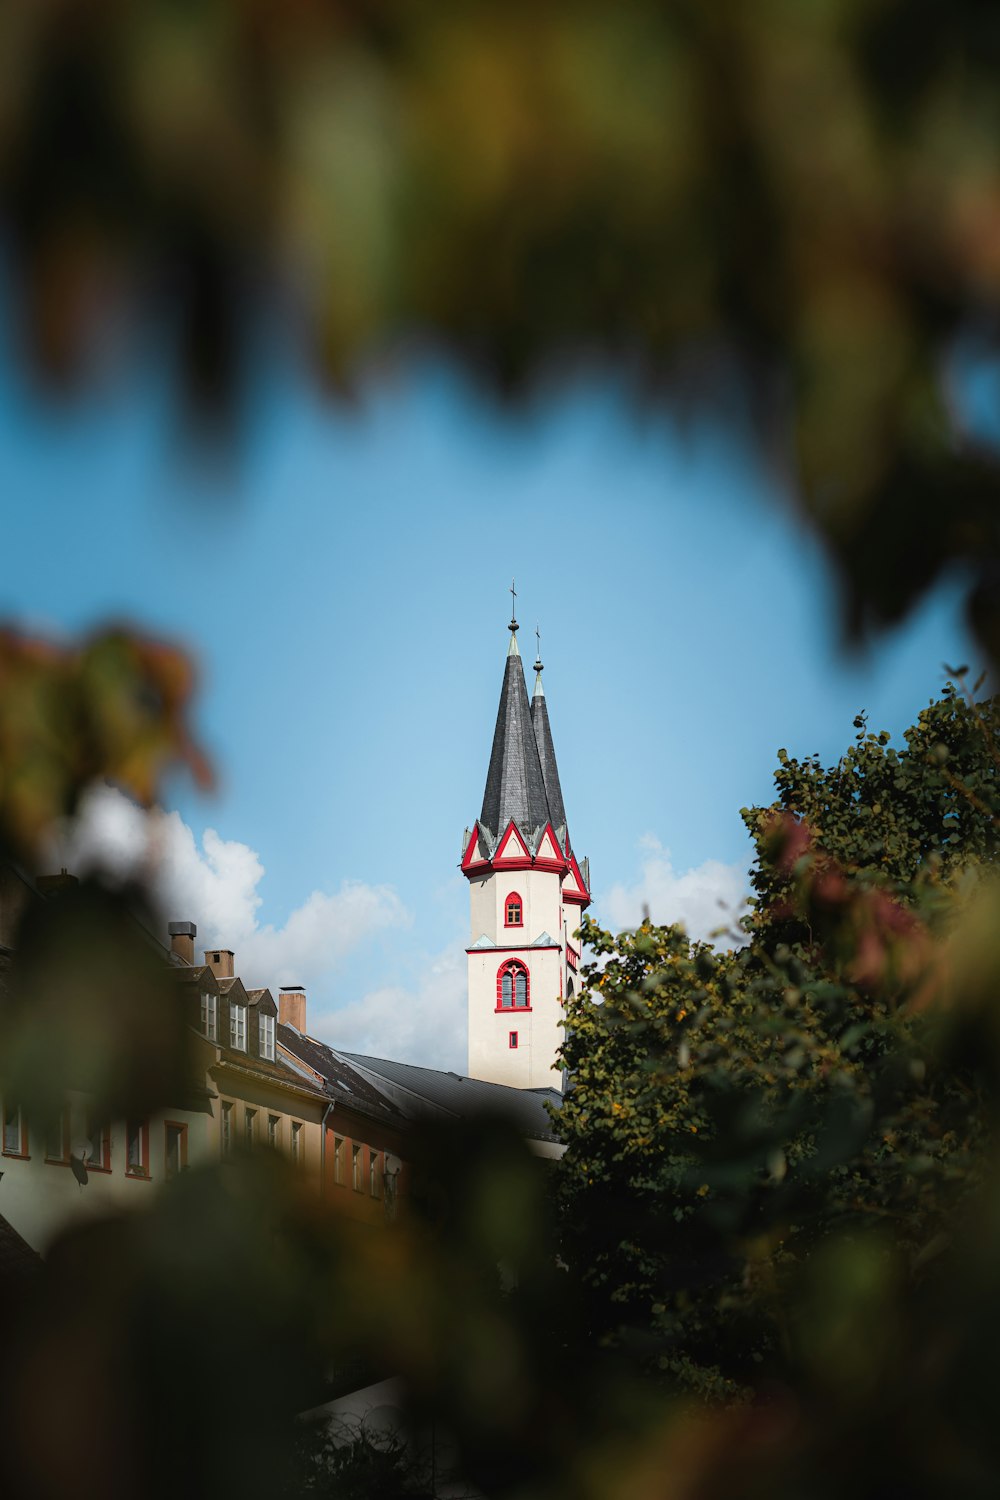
731 1114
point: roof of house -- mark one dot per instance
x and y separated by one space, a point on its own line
254 997
463 1096
17 1258
259 1067
515 787
343 1082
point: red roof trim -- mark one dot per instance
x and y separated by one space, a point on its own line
467 860
524 948
511 832
544 861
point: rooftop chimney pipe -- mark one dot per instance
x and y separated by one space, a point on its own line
292 1006
182 936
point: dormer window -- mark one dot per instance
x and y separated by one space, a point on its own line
266 1037
513 911
209 1015
238 1027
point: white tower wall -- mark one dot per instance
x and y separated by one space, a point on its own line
529 1064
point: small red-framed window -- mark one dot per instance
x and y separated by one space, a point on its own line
512 1040
513 986
513 911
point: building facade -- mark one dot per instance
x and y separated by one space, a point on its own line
365 1174
238 1094
527 894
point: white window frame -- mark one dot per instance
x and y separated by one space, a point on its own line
265 1037
274 1131
13 1113
250 1126
296 1142
99 1135
226 1122
210 1015
57 1134
176 1132
137 1132
237 1027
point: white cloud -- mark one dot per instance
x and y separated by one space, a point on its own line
425 1024
216 886
703 899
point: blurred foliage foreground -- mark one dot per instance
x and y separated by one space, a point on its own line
768 1263
794 205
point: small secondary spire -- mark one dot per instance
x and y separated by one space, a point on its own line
513 627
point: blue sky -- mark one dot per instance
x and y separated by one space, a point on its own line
343 587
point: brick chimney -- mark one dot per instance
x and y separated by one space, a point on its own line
182 936
221 961
292 1006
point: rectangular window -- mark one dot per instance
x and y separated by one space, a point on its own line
137 1148
338 1159
274 1131
227 1129
374 1173
98 1146
210 1016
266 1025
296 1143
249 1125
356 1168
57 1138
238 1027
512 1041
15 1136
175 1148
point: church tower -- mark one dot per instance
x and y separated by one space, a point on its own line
527 894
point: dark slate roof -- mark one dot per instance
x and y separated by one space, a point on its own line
343 1082
462 1096
17 1259
515 788
547 755
254 997
260 1067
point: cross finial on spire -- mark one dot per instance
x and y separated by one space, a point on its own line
513 626
538 650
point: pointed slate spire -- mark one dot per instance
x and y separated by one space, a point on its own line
515 787
546 750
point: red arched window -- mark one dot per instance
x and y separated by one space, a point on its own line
513 988
513 911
